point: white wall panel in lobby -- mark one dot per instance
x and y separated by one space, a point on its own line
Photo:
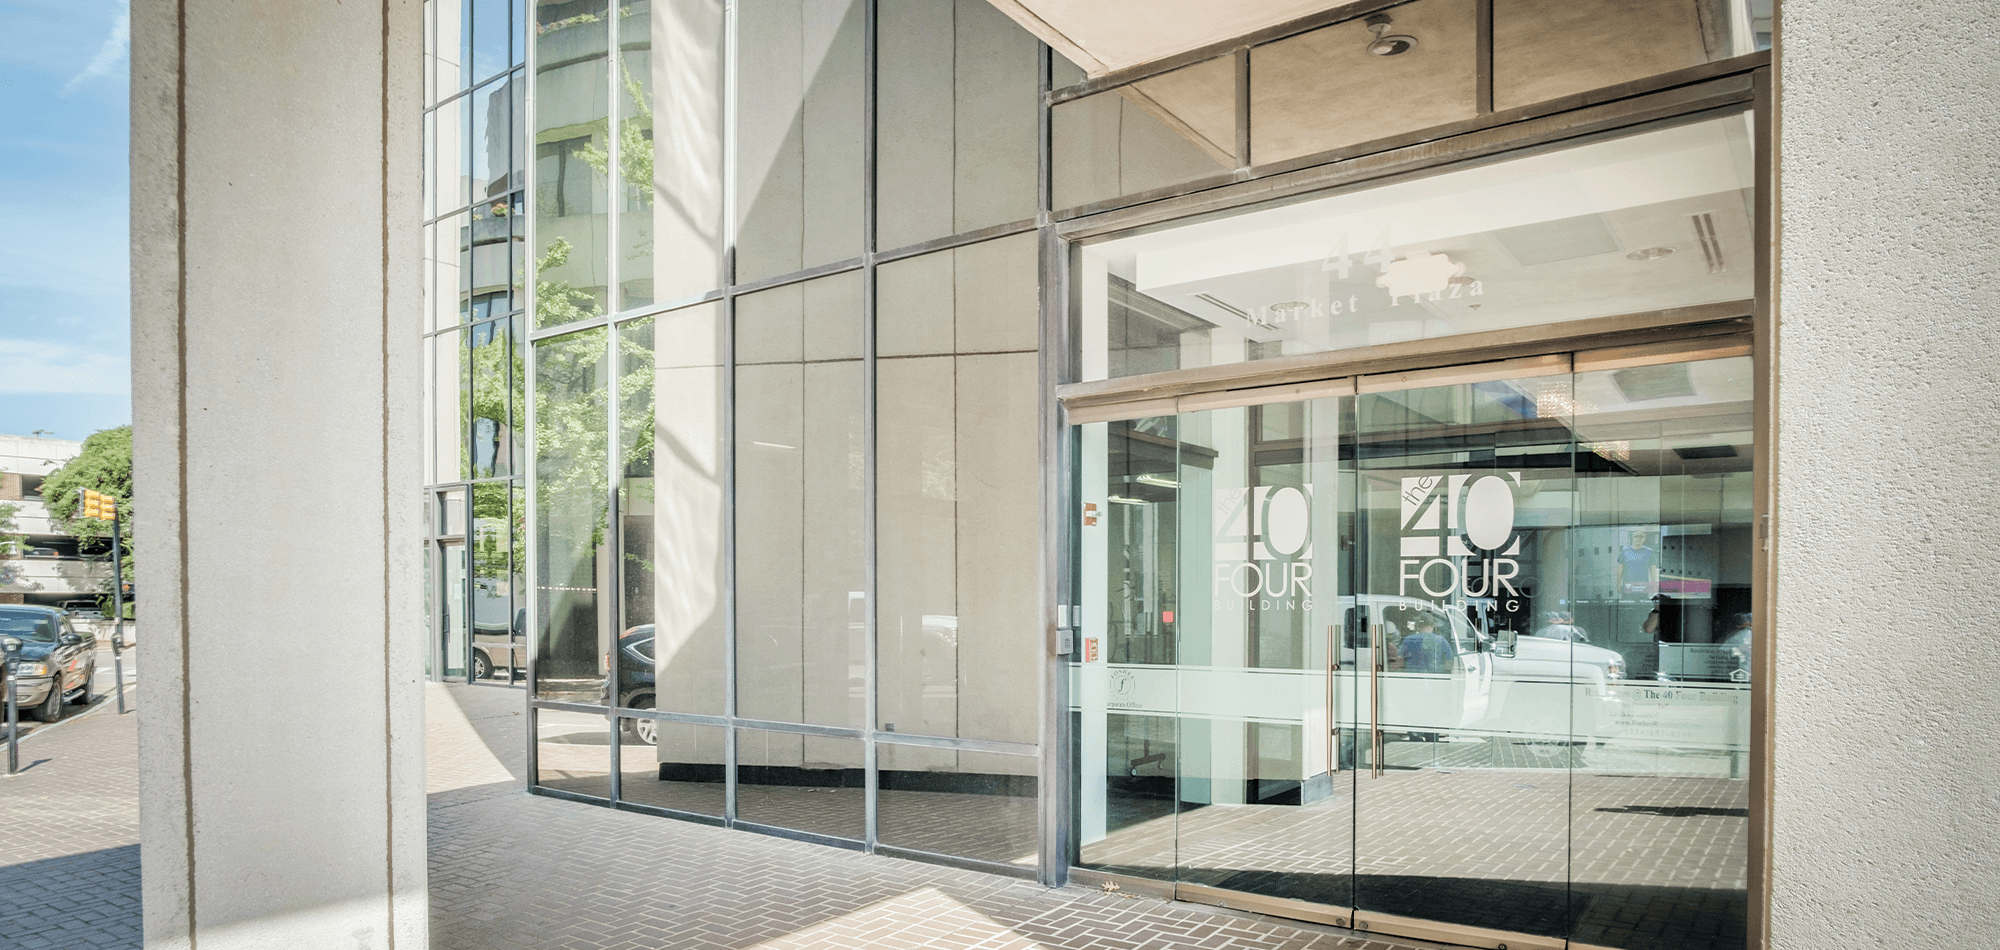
274 360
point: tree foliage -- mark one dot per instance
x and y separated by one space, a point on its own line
104 465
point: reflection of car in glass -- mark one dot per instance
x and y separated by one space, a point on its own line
1521 686
54 661
635 682
499 646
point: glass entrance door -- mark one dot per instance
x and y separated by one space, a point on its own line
452 617
1456 662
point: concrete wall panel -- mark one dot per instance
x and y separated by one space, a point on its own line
1886 824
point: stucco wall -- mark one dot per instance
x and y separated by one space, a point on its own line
1886 827
275 180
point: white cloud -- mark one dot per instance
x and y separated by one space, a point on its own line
109 54
31 366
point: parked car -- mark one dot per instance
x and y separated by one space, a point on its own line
635 682
41 552
54 663
82 609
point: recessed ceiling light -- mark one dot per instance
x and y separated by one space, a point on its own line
1291 306
1649 253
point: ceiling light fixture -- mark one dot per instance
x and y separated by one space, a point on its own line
1291 307
1649 253
1387 45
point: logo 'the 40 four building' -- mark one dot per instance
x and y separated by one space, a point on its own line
1263 545
1453 524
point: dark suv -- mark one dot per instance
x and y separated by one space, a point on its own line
55 662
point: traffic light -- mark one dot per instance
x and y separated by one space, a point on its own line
99 506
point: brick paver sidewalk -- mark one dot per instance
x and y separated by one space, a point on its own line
69 855
510 870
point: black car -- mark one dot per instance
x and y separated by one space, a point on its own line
54 663
635 682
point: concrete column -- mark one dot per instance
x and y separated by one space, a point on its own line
276 174
1886 823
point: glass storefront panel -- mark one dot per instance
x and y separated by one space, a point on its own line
801 782
498 642
491 431
956 129
1546 49
671 398
573 752
799 135
450 409
1644 223
977 805
1660 564
1334 86
958 458
801 548
487 44
573 630
670 225
1473 654
492 138
1167 130
572 161
673 765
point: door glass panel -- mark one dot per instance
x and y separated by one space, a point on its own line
1462 813
1660 560
1474 655
451 607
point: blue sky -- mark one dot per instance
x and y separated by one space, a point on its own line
65 340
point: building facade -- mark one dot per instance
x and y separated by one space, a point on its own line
1333 461
44 565
1314 470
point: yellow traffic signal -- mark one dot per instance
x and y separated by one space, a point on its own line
99 505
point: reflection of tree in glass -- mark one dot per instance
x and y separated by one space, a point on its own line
635 432
635 143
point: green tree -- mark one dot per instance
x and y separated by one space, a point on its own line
104 465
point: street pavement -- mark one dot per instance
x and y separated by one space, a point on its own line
511 870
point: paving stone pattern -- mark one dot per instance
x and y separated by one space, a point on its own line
69 855
511 870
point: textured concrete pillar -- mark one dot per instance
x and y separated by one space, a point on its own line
275 165
1886 824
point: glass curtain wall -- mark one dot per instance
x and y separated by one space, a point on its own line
787 417
475 342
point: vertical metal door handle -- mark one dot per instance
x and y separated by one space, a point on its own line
1375 701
